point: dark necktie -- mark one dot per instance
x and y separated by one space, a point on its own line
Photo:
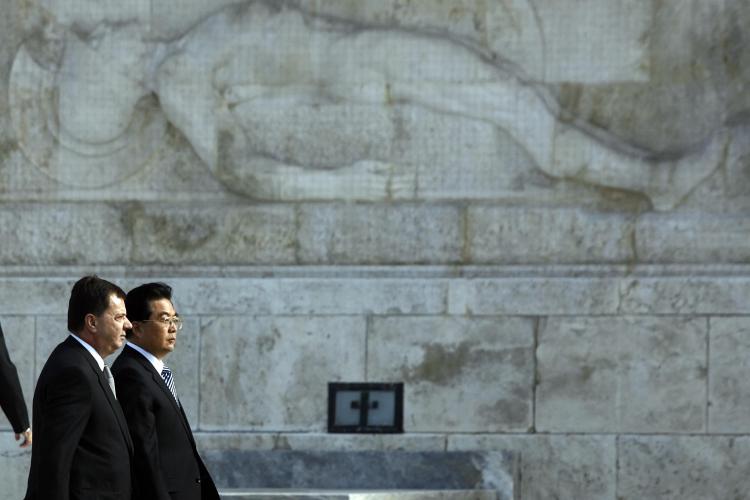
110 380
166 374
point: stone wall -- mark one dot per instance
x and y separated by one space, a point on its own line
531 212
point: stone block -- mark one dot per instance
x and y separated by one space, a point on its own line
319 442
211 234
718 294
692 238
271 373
23 295
311 296
55 234
728 375
533 295
580 467
355 494
372 234
14 467
504 235
683 467
459 374
622 374
19 339
50 331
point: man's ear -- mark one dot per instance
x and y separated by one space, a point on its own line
89 321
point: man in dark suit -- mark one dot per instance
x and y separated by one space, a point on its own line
11 396
82 447
167 464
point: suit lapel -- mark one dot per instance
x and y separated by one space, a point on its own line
107 392
162 386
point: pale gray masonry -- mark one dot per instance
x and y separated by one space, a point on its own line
555 466
460 374
622 374
729 362
532 212
683 467
270 373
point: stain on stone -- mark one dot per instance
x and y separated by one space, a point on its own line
7 148
507 411
184 234
441 364
266 343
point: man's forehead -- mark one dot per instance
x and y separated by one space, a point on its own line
161 306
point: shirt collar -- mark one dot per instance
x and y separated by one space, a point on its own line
158 364
91 350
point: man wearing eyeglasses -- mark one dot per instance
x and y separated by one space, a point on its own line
167 464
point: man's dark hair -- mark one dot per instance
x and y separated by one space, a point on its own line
90 295
138 301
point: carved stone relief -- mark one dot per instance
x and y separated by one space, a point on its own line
281 103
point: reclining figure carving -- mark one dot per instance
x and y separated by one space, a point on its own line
281 104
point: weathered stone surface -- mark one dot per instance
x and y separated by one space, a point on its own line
522 235
554 466
271 373
683 467
50 331
62 234
533 295
19 336
692 85
29 296
459 374
537 36
213 235
728 375
14 467
371 234
309 296
431 57
315 441
464 18
622 374
686 295
693 237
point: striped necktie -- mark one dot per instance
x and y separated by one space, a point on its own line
166 374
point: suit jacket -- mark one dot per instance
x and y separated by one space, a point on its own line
82 448
167 464
11 395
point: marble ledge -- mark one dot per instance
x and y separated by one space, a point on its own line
45 272
283 494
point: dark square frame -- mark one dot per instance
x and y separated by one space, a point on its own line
398 418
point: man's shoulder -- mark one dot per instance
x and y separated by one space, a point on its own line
128 362
66 353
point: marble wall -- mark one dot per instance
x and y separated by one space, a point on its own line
531 212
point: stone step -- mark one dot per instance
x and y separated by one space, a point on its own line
308 494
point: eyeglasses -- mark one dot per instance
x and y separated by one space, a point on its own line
176 321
